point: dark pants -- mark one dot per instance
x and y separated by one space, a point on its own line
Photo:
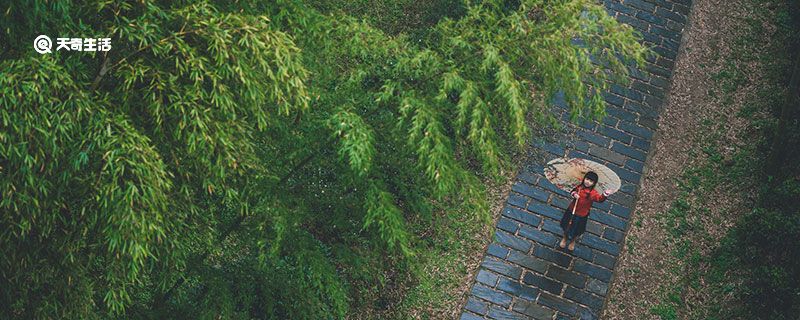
578 226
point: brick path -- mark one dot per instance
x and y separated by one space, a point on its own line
524 275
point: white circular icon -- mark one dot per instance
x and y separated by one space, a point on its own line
42 44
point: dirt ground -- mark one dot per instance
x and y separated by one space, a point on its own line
640 276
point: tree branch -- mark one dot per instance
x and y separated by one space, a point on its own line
102 72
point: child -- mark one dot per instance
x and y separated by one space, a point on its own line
585 195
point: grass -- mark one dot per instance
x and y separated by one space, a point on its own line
718 273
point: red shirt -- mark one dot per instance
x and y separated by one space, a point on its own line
587 197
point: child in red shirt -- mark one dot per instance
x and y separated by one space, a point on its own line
584 194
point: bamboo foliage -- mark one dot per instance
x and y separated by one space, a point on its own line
232 159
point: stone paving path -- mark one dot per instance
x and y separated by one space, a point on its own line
524 275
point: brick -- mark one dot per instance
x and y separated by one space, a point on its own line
552 226
606 154
620 211
648 88
636 129
649 17
618 7
469 316
579 145
672 45
644 111
539 236
500 314
623 199
517 200
521 216
613 235
552 256
535 169
491 295
675 26
578 154
487 278
549 147
542 283
604 260
654 102
600 244
608 219
616 134
595 227
585 298
627 188
681 9
476 306
583 252
544 183
530 177
566 276
497 251
512 241
530 191
633 22
652 38
601 206
626 92
501 267
659 82
621 114
593 271
625 175
661 12
610 121
640 143
666 64
560 202
649 123
584 123
558 303
666 52
613 99
664 32
528 262
661 3
639 4
658 70
587 314
638 74
628 151
517 289
594 138
597 287
507 225
545 210
532 309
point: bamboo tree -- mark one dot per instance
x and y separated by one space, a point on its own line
233 160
